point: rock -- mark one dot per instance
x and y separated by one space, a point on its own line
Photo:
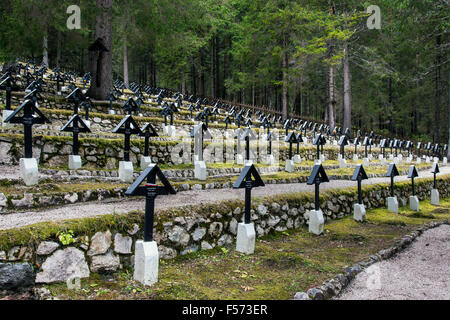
262 210
63 265
16 276
26 202
3 203
122 244
273 221
315 294
237 211
189 250
100 243
105 263
179 236
205 245
2 255
275 207
233 226
199 233
13 253
225 240
71 198
301 296
46 247
166 253
215 229
133 231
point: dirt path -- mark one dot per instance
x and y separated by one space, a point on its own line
421 272
82 210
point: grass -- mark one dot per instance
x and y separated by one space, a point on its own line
283 263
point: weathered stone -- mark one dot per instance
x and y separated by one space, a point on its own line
301 296
16 276
275 207
233 226
71 198
122 244
273 220
2 255
225 240
46 247
100 243
237 211
262 210
215 229
179 236
166 252
189 250
205 245
315 294
26 202
199 233
63 265
133 231
13 253
105 263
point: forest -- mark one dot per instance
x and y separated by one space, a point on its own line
316 59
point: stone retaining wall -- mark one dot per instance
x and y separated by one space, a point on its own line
183 230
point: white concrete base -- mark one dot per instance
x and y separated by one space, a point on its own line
380 156
400 156
392 204
419 161
427 160
75 162
396 161
414 203
239 159
248 162
317 162
366 162
29 171
146 262
339 157
245 241
270 160
434 197
409 159
6 114
290 167
126 171
359 212
444 160
200 170
297 158
145 162
316 221
342 164
370 156
391 157
169 130
355 157
335 143
383 161
435 160
322 158
111 112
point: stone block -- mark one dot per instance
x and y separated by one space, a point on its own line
435 197
270 160
366 162
392 204
200 170
126 171
342 164
297 158
355 157
359 212
6 114
145 162
239 159
290 167
316 221
444 160
75 162
245 241
146 262
29 171
414 203
111 112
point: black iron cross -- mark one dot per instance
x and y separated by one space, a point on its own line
151 190
359 175
392 172
148 131
127 127
317 177
245 182
76 121
28 120
412 174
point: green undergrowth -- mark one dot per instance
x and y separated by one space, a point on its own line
283 263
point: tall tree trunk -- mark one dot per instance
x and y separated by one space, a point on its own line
331 84
101 63
45 51
202 74
285 85
58 49
347 90
193 78
437 93
213 70
183 82
125 61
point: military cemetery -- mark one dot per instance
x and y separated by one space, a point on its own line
224 158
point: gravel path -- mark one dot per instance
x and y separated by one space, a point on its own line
89 209
420 272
